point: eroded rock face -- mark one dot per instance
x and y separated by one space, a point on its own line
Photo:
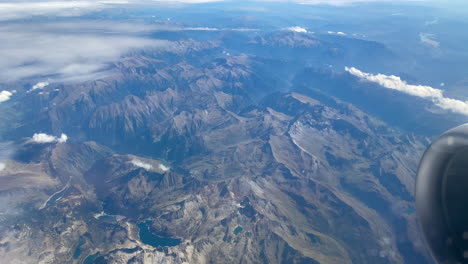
290 178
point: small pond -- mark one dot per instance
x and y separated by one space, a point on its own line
90 259
147 237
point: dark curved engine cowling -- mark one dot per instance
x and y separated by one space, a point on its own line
442 196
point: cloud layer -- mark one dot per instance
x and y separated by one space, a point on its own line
69 50
428 92
76 50
20 9
17 10
41 138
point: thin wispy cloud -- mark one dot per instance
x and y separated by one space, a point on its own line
429 40
17 10
349 2
20 9
46 50
432 22
337 2
7 149
109 27
396 83
70 50
207 29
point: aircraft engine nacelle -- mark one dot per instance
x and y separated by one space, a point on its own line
442 196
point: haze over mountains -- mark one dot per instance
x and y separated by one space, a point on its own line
183 135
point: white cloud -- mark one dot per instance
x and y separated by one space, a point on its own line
40 85
5 96
336 33
297 29
141 164
453 105
2 166
163 168
45 138
147 166
396 83
63 138
430 93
